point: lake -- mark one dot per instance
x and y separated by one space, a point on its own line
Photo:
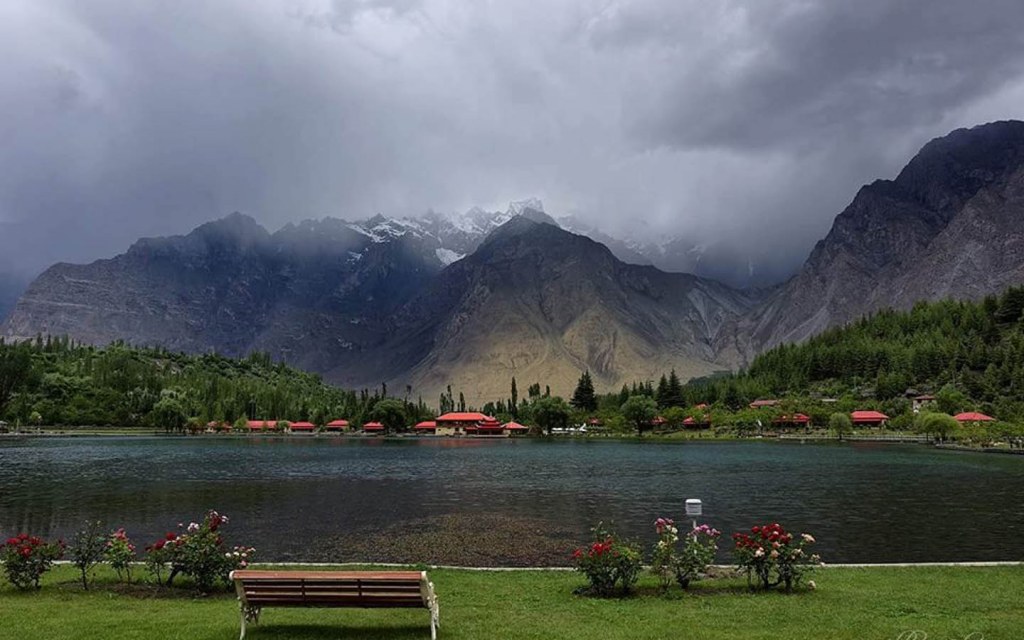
514 502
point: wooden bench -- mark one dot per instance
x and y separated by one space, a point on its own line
362 589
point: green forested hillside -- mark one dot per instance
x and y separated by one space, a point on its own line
972 354
56 382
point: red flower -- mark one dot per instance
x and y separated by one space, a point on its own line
26 551
12 542
159 544
169 536
22 536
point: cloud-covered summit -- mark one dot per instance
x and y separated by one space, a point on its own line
746 125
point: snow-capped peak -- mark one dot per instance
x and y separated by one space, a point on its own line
517 207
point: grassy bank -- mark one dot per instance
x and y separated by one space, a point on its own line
855 604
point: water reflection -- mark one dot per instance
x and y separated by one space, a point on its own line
294 497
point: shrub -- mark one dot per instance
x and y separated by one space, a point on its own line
698 552
119 554
699 548
608 561
158 556
26 558
771 556
87 549
199 553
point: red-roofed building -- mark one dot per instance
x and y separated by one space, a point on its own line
490 427
690 423
303 426
868 418
658 422
458 423
516 429
373 427
218 426
427 427
973 416
795 420
259 425
336 425
919 401
760 404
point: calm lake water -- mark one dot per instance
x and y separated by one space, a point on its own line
515 501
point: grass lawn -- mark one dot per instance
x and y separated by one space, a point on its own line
946 603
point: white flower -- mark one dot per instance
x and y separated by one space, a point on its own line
193 527
759 553
811 585
808 538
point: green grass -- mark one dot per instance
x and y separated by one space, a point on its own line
946 603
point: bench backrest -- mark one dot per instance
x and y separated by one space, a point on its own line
332 588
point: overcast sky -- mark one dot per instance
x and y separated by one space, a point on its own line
751 123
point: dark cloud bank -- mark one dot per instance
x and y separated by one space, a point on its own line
744 123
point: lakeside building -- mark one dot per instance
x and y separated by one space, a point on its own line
336 425
427 427
703 423
457 423
868 418
373 427
972 417
795 420
303 426
760 404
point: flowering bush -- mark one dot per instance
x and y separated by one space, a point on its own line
699 548
120 553
663 559
772 556
608 561
158 556
687 565
26 558
199 553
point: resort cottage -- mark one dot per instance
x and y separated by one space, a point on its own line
305 427
427 428
336 425
868 418
972 417
458 423
795 420
373 427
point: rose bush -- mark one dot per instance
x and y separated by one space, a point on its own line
684 565
771 556
608 561
26 558
199 553
120 554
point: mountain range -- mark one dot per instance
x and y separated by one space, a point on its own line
473 299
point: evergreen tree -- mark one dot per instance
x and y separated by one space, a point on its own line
661 395
584 398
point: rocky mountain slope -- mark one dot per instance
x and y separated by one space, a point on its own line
951 225
542 304
475 298
373 302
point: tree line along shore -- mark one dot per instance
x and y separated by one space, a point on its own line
918 368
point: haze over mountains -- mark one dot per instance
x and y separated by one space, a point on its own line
473 299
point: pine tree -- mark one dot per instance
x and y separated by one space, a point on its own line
675 391
584 398
661 395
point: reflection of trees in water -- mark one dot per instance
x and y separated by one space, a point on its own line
864 502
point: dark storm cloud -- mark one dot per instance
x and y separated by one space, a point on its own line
748 123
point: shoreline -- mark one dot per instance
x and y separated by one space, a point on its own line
663 439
